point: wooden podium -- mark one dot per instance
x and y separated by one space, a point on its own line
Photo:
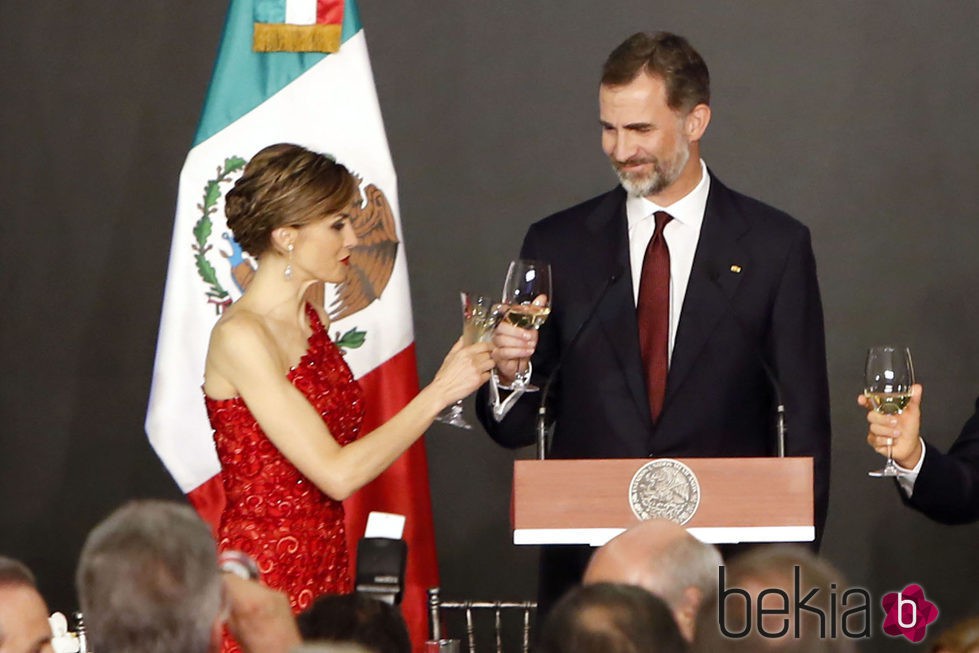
587 501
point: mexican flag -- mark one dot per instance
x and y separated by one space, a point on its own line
293 71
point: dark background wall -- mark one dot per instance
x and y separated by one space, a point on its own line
858 118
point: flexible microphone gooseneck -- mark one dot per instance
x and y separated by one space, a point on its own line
780 427
542 408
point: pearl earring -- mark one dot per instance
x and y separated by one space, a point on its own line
288 270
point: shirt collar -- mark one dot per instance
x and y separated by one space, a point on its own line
688 210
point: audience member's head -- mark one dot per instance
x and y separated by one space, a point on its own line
960 637
663 558
764 577
328 647
610 618
358 619
24 626
148 582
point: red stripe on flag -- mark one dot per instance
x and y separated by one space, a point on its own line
402 489
208 500
329 12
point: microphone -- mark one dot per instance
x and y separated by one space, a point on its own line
780 428
542 408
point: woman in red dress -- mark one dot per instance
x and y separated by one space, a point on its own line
285 408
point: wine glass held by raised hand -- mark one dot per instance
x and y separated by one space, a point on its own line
889 378
527 295
480 315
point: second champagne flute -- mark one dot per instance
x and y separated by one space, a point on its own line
479 317
889 377
526 280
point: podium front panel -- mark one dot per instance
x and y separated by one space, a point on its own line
587 501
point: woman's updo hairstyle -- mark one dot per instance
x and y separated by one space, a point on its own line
284 185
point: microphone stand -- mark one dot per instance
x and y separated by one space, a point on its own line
541 432
780 428
542 408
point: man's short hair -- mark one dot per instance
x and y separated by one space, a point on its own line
611 618
356 618
664 55
148 581
960 636
773 566
15 572
687 563
775 563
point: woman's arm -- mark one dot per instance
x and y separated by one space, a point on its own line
243 354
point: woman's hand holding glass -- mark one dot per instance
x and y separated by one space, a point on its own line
900 432
479 315
465 368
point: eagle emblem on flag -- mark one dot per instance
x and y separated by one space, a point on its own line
371 260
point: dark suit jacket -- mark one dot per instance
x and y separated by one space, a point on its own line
718 400
947 487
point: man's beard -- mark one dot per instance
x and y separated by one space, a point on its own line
656 180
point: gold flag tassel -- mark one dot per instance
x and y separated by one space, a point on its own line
272 37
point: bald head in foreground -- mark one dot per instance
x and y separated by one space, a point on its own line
663 558
24 626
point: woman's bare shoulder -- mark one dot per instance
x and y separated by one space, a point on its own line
239 330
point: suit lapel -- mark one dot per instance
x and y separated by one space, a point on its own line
714 279
608 226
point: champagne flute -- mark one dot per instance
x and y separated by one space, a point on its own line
525 280
889 377
479 317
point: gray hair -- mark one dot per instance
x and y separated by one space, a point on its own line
15 572
148 581
688 562
773 566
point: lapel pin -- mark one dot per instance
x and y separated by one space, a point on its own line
736 269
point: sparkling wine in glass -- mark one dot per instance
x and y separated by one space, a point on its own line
889 377
525 281
479 317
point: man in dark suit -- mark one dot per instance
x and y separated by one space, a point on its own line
945 487
686 287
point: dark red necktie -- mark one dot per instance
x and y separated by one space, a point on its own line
653 312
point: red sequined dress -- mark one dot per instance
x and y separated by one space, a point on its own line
275 514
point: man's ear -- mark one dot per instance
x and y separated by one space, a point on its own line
695 123
686 612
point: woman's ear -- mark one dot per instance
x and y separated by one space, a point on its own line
282 238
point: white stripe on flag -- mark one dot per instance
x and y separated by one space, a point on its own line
301 12
331 108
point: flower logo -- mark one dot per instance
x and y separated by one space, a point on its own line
908 613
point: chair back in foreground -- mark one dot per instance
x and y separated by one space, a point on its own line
474 613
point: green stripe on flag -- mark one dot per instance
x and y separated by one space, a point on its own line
244 79
270 11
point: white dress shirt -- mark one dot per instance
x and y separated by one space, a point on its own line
681 233
908 477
